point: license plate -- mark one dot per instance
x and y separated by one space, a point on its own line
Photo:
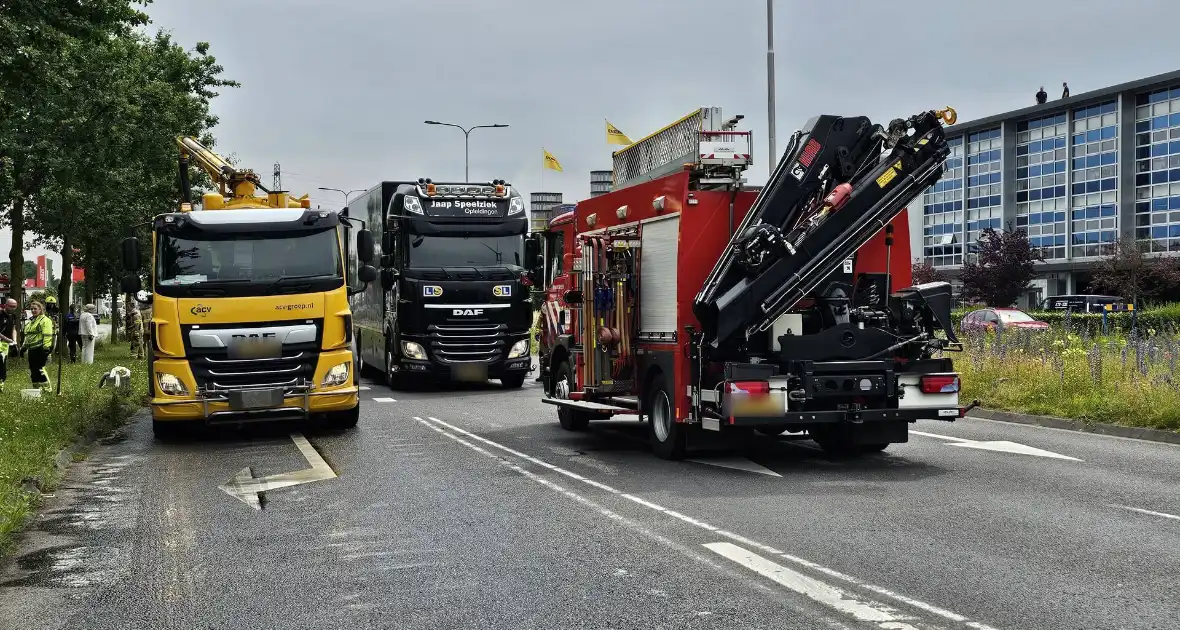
255 348
469 373
256 399
772 404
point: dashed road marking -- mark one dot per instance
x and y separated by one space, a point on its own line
439 426
1148 512
384 400
365 388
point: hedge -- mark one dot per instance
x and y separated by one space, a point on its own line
1146 321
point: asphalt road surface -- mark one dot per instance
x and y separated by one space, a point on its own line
469 507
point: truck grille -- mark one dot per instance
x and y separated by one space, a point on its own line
466 344
214 370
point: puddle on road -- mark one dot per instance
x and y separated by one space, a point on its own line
66 546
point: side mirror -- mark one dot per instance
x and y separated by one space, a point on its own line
387 242
131 254
364 246
130 282
532 246
388 278
367 274
572 298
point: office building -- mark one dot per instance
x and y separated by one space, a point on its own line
601 182
1077 173
541 205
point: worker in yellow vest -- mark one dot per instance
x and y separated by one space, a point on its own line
37 343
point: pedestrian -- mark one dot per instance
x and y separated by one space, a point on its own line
88 329
71 329
133 330
1064 90
8 319
37 343
1042 96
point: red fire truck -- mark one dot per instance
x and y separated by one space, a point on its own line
703 306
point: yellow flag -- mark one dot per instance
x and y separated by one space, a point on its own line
551 162
614 136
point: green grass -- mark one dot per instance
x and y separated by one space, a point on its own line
32 432
1131 381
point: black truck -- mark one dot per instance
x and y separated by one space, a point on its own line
453 298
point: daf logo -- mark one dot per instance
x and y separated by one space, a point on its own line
200 309
466 312
265 335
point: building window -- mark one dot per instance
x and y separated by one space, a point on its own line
1094 179
1157 169
1040 182
984 183
942 209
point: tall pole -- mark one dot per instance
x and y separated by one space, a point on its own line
466 142
770 82
346 194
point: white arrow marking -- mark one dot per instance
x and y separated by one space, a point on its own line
246 488
737 463
1001 446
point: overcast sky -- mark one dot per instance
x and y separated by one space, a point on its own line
336 92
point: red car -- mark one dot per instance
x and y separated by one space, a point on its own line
1001 319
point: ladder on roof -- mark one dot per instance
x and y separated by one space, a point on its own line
703 139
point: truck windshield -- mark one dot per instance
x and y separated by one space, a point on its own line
210 260
464 251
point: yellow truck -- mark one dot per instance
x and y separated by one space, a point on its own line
250 313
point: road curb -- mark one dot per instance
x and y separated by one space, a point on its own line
1101 428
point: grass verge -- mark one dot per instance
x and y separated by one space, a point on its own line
1129 381
32 432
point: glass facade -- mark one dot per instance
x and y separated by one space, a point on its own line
984 183
1094 179
1157 169
1040 182
942 212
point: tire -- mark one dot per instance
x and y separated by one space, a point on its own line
346 419
563 384
669 439
392 379
512 381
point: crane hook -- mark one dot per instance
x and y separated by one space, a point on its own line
948 115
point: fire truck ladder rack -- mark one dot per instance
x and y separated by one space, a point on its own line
831 192
702 141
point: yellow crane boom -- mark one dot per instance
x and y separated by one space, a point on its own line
236 186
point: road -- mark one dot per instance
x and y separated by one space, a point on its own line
470 508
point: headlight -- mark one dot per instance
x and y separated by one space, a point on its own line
516 206
519 349
170 385
338 375
412 350
412 204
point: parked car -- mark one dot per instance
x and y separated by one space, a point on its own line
1001 319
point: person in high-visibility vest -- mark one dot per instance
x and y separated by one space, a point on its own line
37 343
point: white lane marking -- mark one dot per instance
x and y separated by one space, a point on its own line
737 463
809 587
246 487
1149 512
942 612
365 388
1000 446
384 400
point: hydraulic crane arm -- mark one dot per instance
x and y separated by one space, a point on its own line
230 180
832 191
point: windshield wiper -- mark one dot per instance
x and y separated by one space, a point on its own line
283 279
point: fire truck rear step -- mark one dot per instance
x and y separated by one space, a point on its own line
585 405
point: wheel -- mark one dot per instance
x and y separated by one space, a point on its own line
512 381
563 384
393 380
669 439
346 419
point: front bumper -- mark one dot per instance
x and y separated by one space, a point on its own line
494 369
215 408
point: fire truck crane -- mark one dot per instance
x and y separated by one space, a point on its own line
704 306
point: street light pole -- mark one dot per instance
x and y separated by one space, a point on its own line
770 83
346 194
466 142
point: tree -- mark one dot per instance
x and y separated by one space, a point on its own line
924 271
1126 270
1005 263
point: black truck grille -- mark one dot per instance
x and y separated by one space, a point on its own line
464 344
215 370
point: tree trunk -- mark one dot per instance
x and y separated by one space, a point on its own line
63 301
16 255
114 315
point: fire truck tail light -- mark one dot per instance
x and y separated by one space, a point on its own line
939 383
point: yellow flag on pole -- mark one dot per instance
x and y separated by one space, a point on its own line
614 136
551 162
